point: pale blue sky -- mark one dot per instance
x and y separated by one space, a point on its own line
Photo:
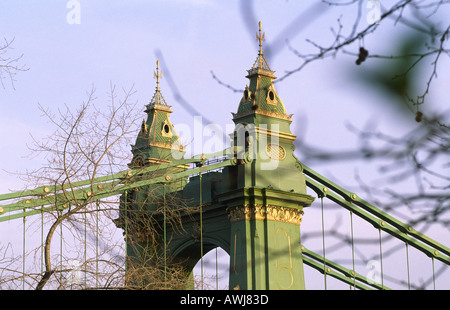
117 41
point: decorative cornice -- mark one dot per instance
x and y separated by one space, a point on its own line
155 105
263 112
279 134
140 161
169 146
268 212
164 145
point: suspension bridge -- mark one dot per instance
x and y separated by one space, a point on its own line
249 200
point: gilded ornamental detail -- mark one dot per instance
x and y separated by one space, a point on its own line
269 212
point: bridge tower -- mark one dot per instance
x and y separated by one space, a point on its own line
252 210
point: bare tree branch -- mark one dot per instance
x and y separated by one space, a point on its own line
9 65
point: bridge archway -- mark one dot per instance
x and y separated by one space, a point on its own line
189 251
214 271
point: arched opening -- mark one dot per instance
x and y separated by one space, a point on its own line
245 136
215 272
166 128
209 272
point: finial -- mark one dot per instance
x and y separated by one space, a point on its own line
260 38
157 75
260 64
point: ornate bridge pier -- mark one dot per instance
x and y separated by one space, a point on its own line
252 208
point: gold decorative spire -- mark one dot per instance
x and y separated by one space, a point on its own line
260 65
260 38
157 75
158 98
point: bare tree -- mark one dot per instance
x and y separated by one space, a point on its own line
91 142
87 143
9 65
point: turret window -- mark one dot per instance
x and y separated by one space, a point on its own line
138 162
248 95
166 130
271 98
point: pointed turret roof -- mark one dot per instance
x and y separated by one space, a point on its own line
157 141
260 97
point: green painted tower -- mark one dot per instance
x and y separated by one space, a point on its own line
252 207
262 117
267 208
142 208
